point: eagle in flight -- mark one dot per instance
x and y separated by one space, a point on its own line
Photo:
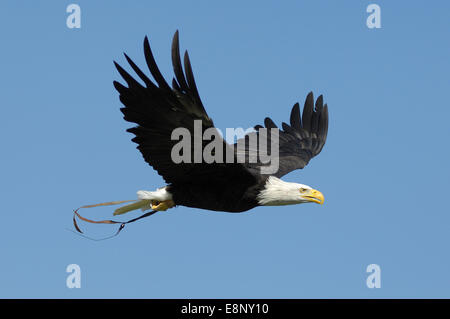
238 183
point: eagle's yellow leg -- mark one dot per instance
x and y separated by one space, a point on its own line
162 206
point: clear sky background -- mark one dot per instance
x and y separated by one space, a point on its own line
384 170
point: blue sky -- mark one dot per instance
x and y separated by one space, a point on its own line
384 170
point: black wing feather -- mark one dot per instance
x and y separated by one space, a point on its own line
308 110
300 141
154 70
191 81
138 71
296 119
269 123
176 61
158 110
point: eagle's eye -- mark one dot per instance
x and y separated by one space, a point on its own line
302 190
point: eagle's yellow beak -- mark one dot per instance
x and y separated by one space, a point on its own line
314 196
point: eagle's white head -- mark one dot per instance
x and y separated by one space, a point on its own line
277 192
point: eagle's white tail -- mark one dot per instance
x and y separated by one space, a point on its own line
145 200
142 204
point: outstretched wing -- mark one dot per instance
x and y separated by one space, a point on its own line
297 143
159 109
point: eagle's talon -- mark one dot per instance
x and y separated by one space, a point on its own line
155 204
162 206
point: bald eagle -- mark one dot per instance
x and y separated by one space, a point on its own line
229 185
